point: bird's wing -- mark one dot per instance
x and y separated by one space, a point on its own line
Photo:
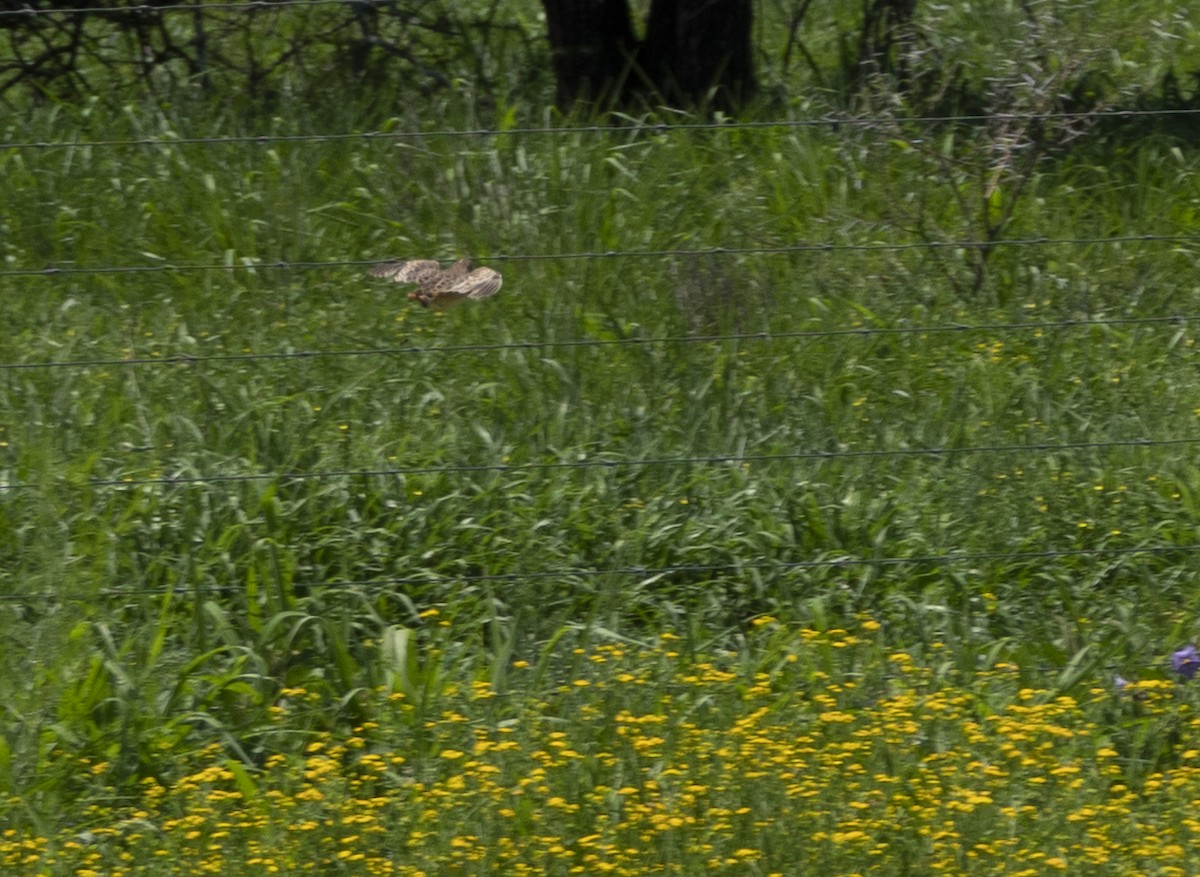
480 283
415 271
457 270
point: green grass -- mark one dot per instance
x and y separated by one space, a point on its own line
662 512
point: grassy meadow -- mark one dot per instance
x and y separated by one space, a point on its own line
812 498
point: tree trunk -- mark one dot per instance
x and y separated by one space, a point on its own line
593 46
697 53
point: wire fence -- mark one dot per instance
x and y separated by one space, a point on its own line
653 128
254 265
649 573
126 9
865 332
182 480
633 127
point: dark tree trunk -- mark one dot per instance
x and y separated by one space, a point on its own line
697 53
593 46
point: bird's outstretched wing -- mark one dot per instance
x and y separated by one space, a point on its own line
480 283
415 271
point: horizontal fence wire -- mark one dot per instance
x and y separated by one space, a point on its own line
632 127
650 572
252 265
201 360
145 8
609 464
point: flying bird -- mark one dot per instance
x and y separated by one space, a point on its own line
438 287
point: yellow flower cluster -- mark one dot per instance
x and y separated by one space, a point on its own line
823 753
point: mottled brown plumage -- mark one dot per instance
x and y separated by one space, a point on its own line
438 287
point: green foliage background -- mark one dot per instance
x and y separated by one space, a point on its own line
743 387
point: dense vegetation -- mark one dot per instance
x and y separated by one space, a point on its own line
813 496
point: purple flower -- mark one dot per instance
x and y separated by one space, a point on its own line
1186 661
